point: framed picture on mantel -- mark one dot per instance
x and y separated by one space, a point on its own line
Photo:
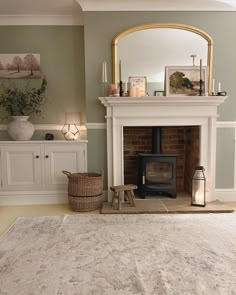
137 86
185 80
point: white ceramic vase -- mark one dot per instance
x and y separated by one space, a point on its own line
20 128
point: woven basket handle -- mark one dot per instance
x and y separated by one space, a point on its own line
67 173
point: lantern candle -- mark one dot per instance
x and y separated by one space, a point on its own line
199 198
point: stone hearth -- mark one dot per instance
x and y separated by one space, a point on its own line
161 111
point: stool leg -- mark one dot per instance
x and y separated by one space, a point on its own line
119 201
132 196
113 198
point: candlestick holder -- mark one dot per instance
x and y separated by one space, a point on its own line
200 87
121 88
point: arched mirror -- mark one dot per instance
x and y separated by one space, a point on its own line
147 50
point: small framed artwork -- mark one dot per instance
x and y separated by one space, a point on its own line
137 86
185 81
159 93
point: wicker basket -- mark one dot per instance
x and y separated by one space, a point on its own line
84 190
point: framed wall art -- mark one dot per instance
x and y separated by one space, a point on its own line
137 86
185 80
20 66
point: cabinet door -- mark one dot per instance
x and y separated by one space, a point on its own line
21 167
59 157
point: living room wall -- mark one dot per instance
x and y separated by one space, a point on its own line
61 50
101 27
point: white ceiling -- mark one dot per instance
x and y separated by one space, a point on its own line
65 7
71 11
148 5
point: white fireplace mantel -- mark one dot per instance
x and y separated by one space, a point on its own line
162 111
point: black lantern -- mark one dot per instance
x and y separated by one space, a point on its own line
199 187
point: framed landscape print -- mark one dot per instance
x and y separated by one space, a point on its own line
20 66
137 86
185 81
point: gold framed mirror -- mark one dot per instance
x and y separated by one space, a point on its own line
158 45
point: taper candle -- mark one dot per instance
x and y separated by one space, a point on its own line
104 72
200 69
219 87
120 70
213 86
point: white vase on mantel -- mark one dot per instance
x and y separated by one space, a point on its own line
20 128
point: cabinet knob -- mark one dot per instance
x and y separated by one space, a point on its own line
36 157
46 156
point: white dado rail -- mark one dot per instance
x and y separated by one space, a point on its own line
161 111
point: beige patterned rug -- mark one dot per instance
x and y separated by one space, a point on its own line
89 254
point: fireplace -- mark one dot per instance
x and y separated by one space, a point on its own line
161 111
156 171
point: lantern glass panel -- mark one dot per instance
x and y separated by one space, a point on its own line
198 187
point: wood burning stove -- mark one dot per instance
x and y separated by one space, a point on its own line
157 171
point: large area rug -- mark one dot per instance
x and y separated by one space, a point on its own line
120 254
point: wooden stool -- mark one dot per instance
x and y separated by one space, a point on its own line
128 192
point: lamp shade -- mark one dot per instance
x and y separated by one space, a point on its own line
198 187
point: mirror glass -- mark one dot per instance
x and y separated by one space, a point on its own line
146 51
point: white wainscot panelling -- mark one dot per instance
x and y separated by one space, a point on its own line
228 194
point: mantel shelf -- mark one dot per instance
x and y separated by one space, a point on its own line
162 100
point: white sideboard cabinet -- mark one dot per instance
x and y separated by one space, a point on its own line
31 171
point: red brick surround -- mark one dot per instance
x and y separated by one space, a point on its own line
182 141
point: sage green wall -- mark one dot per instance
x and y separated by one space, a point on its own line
101 27
61 50
97 152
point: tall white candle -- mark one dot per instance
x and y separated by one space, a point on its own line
104 72
200 69
213 86
219 87
120 70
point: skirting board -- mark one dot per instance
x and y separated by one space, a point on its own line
225 195
32 199
26 198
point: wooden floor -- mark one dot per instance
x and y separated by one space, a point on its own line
8 214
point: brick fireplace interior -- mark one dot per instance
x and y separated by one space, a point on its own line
183 141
